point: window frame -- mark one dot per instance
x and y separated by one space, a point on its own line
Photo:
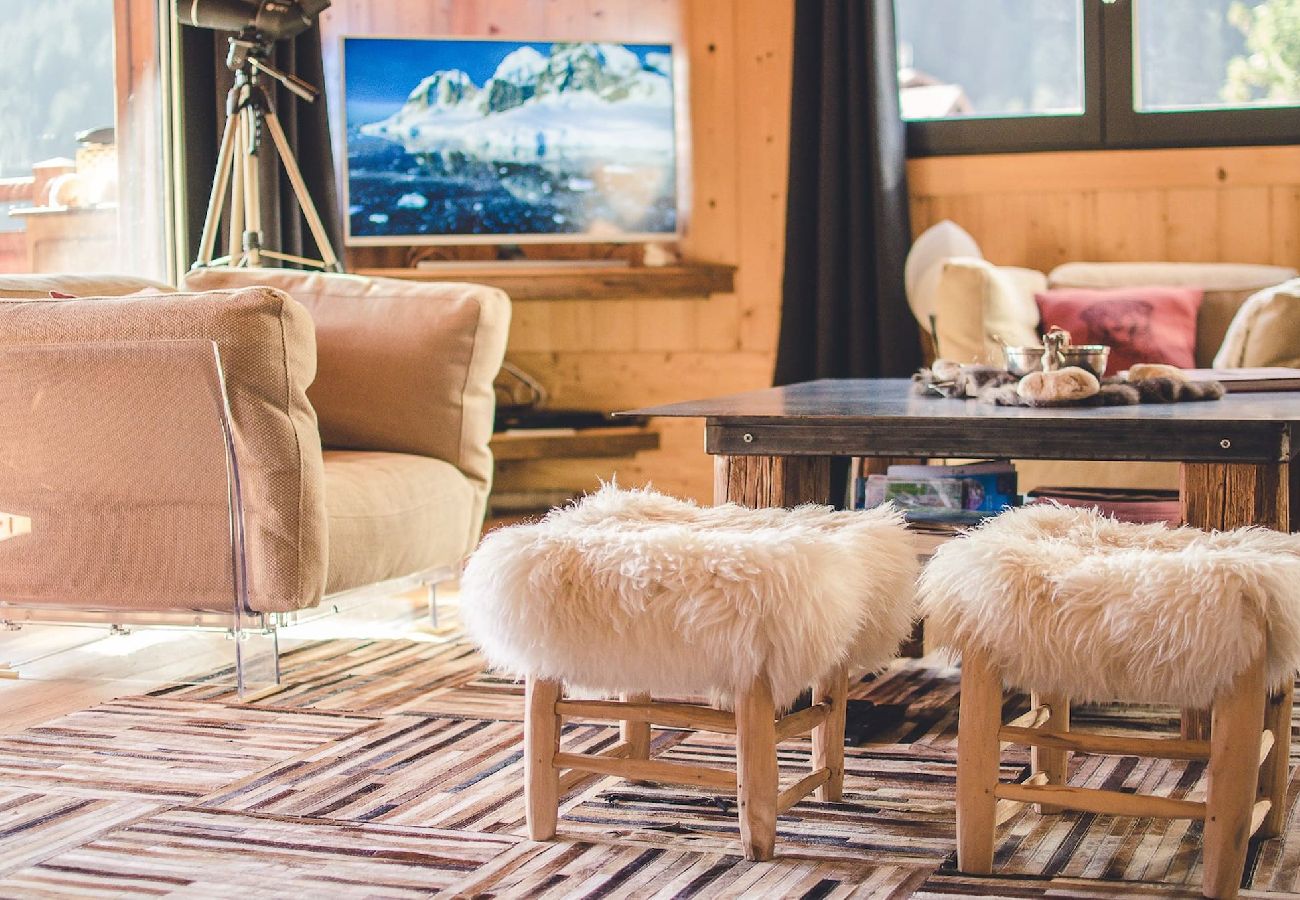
1109 120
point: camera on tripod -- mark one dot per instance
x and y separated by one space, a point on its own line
272 20
256 25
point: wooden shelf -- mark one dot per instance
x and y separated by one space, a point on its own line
572 443
529 281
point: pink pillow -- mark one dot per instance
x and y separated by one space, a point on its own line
1140 324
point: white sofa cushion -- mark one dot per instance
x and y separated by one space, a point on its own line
1265 331
975 300
934 245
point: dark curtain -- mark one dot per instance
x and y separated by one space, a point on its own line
204 83
844 313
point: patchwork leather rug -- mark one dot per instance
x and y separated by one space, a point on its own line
393 768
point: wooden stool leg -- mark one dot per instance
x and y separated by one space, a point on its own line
1052 763
1235 726
541 743
756 772
978 751
636 734
1274 774
828 738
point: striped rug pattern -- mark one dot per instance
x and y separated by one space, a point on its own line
394 768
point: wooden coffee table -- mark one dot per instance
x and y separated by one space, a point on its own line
774 447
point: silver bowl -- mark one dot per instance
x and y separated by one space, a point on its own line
1023 360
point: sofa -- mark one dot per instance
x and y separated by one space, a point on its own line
968 307
360 411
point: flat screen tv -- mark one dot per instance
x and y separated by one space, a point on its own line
494 141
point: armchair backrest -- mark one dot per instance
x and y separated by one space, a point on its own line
404 366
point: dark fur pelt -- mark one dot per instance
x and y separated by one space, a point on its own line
1117 392
1169 390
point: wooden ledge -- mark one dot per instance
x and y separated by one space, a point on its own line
577 443
552 281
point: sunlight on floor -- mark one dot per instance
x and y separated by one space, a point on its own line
65 667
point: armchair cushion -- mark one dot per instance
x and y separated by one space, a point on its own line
268 359
394 514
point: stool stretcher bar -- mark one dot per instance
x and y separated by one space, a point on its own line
688 715
671 715
1159 748
1114 803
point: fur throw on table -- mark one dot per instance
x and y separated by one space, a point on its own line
1112 392
1068 601
632 590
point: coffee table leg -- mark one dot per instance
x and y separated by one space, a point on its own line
1222 496
759 481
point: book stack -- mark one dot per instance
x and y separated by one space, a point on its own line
960 494
941 501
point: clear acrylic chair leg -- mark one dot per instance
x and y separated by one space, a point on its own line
257 657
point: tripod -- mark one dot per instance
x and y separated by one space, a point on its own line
248 108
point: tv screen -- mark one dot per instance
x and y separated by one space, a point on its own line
455 141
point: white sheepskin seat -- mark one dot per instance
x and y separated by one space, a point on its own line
1068 601
631 590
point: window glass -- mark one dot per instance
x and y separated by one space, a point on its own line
1216 54
960 59
80 172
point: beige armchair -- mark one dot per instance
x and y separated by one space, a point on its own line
360 412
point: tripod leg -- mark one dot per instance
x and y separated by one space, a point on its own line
300 191
236 223
252 194
220 179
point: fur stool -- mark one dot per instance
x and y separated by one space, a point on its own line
1068 604
635 594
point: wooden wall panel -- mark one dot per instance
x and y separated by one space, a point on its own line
620 353
1226 204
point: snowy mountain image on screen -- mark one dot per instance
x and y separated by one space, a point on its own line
579 140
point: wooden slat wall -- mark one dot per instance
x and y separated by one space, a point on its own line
1221 204
613 353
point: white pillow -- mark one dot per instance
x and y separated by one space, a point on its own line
932 247
1265 331
975 300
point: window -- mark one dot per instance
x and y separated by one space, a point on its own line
1008 75
81 137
